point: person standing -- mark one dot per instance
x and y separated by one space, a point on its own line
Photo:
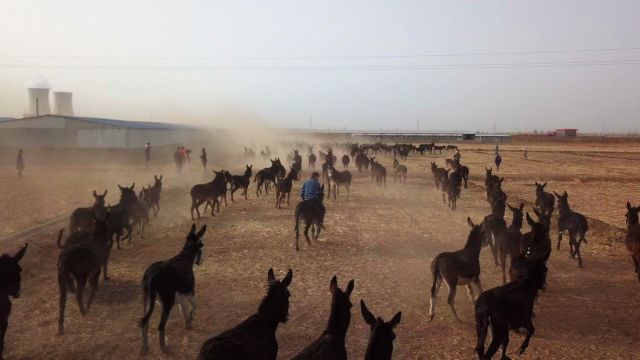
498 161
525 152
203 158
147 153
19 163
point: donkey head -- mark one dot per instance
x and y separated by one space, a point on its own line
340 306
10 272
158 181
476 236
247 172
127 195
488 171
193 245
381 333
563 200
275 305
632 214
540 187
99 199
534 270
539 230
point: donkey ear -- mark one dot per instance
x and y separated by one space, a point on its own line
536 183
193 229
366 314
203 229
333 285
565 195
544 184
120 187
511 207
521 206
95 194
501 180
530 220
556 194
105 193
537 212
161 176
628 206
132 186
470 222
350 286
271 277
18 256
286 281
396 319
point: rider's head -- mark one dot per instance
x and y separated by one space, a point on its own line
315 175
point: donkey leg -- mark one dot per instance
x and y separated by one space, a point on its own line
434 293
577 251
62 287
93 287
453 287
559 239
497 336
318 229
306 233
167 304
530 330
82 282
470 293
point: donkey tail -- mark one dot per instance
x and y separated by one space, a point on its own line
149 294
435 271
482 326
59 242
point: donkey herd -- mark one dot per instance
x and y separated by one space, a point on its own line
85 251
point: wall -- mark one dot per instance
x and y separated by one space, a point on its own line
102 138
32 138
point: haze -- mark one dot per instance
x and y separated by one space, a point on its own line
278 63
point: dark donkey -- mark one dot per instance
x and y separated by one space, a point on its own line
9 288
254 338
544 200
153 195
312 214
283 188
168 279
82 258
508 241
267 175
330 344
84 218
401 171
507 307
381 334
439 174
209 192
574 223
460 267
241 182
632 240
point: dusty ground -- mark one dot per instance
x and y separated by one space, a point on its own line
382 238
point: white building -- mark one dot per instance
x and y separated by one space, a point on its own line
74 131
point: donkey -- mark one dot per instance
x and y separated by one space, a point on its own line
379 172
574 223
544 200
336 179
451 187
210 191
267 175
82 258
168 279
345 161
401 171
381 334
312 215
10 287
632 240
83 218
460 169
120 214
96 239
508 241
241 182
460 267
439 174
494 224
330 344
153 198
312 161
283 188
254 338
507 307
538 246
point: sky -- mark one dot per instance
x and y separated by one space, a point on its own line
447 65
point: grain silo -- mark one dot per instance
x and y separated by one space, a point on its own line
62 103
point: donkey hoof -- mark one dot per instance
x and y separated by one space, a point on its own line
431 316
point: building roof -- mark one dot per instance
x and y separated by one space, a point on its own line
120 123
566 129
2 118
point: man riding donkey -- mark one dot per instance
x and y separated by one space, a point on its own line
311 192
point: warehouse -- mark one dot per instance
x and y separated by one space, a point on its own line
73 131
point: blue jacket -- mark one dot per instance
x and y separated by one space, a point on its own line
310 189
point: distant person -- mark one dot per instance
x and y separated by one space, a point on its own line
187 153
525 152
177 158
19 163
147 153
497 149
311 192
498 161
203 158
457 156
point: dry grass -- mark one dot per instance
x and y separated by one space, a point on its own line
382 238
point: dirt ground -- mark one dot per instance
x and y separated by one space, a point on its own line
384 238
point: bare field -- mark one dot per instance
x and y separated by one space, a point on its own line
383 238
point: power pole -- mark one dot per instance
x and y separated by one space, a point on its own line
418 124
37 108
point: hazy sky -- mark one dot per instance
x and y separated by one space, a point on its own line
341 62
